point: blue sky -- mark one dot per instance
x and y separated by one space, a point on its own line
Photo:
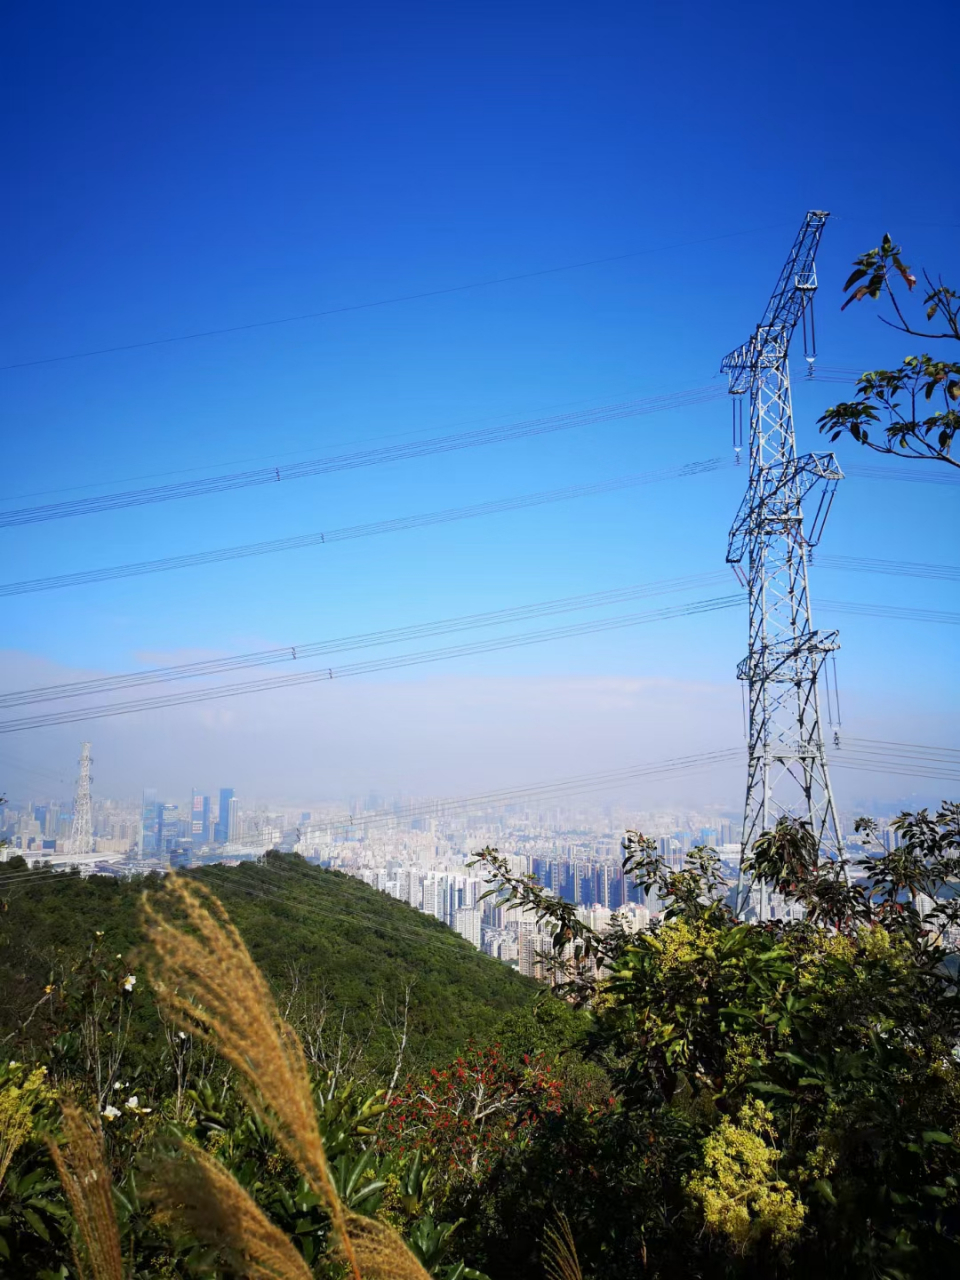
190 167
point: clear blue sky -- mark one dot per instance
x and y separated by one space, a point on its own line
185 167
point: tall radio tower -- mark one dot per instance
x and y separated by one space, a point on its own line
81 837
787 768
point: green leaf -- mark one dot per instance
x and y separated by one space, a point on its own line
936 1135
795 1059
855 276
38 1224
826 1190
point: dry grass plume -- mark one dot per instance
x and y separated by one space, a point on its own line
196 1190
86 1181
560 1261
209 985
381 1252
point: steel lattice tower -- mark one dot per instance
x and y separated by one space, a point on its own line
787 767
81 836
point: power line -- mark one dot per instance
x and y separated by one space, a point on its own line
107 710
303 651
896 568
906 475
472 648
399 524
22 767
361 458
871 765
380 302
579 785
903 613
916 746
274 456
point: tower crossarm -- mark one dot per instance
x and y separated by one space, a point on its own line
789 661
797 283
776 501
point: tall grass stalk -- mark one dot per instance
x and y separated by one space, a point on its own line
86 1181
209 985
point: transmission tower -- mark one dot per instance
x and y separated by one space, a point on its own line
81 837
787 768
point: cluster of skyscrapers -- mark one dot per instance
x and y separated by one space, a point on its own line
167 830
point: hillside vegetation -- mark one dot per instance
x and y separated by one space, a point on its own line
337 953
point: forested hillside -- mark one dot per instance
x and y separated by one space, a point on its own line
338 954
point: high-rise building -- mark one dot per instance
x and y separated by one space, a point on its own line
221 830
466 921
199 818
149 822
168 827
233 820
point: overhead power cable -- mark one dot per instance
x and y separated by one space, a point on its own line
400 452
916 474
216 692
577 785
380 302
870 764
903 613
910 746
399 524
896 568
304 651
310 650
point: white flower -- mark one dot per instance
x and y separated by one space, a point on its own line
110 1113
129 982
182 1035
133 1103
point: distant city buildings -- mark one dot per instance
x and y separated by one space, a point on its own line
420 858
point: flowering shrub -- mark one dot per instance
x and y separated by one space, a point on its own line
738 1188
24 1094
466 1114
